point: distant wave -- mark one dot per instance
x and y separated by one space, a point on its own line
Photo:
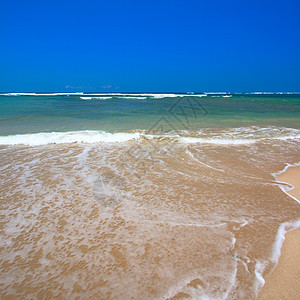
221 96
159 96
139 98
152 95
121 95
40 94
143 95
216 93
110 97
96 98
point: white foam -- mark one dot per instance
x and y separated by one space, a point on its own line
106 95
88 136
19 94
280 237
192 155
96 98
158 96
286 187
216 93
288 137
236 136
150 95
241 136
216 141
139 98
284 227
285 168
103 94
110 97
259 269
41 94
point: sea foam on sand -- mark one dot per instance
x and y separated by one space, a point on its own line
283 282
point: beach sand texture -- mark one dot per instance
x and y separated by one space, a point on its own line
284 281
189 221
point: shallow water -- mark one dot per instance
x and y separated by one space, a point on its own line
93 220
123 112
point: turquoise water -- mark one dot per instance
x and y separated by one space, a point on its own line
21 114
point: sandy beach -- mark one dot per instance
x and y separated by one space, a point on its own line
284 281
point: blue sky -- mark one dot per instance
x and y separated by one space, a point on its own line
154 46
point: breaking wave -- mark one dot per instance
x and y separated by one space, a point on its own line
228 136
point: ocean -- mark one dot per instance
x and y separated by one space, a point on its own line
144 196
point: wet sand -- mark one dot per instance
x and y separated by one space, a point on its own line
284 281
135 220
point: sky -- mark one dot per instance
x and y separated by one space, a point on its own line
149 46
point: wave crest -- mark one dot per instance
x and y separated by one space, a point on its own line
228 136
88 136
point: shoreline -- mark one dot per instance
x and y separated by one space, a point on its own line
284 281
161 222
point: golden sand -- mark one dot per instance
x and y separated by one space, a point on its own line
284 281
